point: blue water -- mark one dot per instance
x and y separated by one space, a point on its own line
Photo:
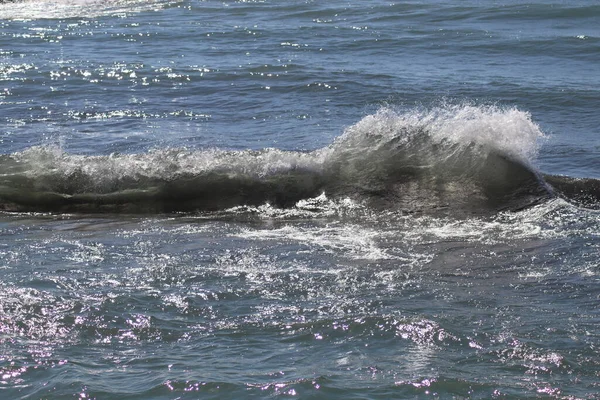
259 199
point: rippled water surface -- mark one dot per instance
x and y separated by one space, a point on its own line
256 199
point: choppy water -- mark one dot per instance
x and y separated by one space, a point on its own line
306 199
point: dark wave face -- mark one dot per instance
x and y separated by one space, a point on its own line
583 192
457 160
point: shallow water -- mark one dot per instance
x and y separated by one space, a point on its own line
255 199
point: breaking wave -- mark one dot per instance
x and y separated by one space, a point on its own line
452 159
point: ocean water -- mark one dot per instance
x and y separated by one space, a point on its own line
299 199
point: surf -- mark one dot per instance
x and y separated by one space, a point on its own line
452 159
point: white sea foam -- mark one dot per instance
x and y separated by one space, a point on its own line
354 241
507 130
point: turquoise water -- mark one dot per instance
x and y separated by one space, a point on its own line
299 199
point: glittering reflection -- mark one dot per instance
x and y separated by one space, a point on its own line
15 72
35 316
35 9
296 304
